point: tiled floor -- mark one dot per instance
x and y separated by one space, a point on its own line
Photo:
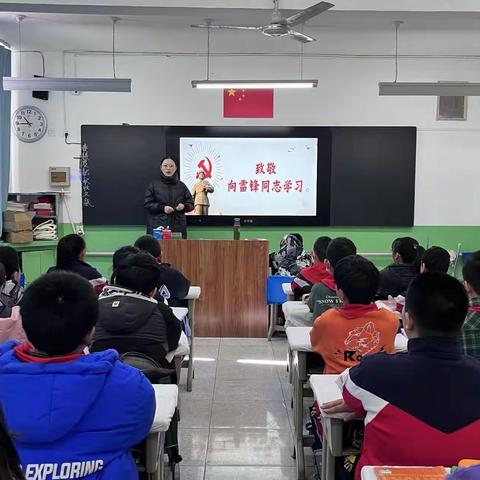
235 423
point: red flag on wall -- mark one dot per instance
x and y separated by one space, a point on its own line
248 103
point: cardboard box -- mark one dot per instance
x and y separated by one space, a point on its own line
16 221
19 237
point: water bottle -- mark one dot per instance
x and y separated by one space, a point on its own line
236 229
167 234
158 233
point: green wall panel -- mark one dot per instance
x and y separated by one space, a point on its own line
368 240
37 257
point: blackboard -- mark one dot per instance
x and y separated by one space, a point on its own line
373 176
366 174
122 161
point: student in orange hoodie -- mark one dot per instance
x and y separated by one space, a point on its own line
343 336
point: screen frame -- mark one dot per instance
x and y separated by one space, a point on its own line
324 146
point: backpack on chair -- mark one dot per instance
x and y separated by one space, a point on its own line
158 375
149 367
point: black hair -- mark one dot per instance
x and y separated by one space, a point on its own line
9 459
408 249
168 157
139 272
471 271
298 237
149 244
121 254
339 248
358 278
58 310
418 261
436 259
10 260
320 247
69 249
3 277
438 304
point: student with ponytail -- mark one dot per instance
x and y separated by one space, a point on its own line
395 279
71 251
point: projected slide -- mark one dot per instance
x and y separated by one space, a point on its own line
251 176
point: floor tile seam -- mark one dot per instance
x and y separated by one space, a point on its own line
211 409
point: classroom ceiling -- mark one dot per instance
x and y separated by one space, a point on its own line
337 18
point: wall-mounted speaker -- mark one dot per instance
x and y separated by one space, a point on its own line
41 95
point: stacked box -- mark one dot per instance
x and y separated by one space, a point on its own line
17 227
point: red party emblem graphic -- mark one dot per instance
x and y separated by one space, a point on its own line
205 165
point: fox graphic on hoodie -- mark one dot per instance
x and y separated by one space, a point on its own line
77 418
344 336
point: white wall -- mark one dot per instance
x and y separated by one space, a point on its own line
448 169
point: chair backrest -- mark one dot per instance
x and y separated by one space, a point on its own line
275 294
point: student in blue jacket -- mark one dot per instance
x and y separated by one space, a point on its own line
71 415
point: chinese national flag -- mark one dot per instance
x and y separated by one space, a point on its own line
248 103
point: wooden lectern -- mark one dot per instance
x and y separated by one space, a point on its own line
232 275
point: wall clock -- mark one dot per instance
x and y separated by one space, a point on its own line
29 123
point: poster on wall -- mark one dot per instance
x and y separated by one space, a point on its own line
251 176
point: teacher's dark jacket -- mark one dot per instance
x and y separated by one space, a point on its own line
167 191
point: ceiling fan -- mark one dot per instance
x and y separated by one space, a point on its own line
280 26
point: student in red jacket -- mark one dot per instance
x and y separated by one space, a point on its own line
421 407
323 295
315 273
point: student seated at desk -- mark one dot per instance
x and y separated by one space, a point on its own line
10 320
71 251
121 254
435 259
470 334
395 279
11 293
421 407
73 415
291 257
323 295
173 285
309 276
344 336
130 319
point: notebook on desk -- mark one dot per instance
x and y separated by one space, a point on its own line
410 473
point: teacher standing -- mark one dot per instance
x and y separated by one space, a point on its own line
167 200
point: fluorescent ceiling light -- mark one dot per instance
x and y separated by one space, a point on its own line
436 89
68 84
224 84
255 361
5 44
